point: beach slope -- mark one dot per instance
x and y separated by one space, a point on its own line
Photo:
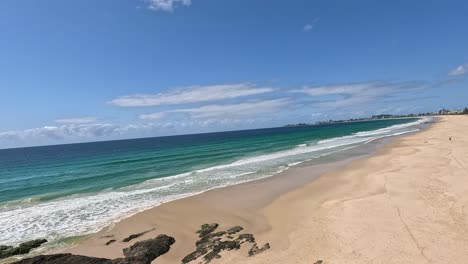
405 204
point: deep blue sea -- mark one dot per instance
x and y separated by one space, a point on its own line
69 190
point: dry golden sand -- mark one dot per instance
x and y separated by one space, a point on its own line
405 204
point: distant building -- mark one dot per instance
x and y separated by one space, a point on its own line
444 112
452 112
381 116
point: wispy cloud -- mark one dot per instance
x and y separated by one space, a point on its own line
72 133
249 109
152 116
460 70
167 5
191 94
63 131
351 94
310 26
76 120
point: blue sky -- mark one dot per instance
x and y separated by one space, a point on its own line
75 71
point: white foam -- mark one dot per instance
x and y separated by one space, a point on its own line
365 135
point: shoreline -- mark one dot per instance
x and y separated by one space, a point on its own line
189 169
210 206
91 245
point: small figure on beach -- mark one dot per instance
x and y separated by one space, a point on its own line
450 138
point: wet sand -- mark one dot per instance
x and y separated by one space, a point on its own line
403 204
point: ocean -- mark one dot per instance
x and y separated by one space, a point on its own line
62 191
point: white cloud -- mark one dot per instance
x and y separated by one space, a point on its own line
167 5
236 110
63 131
152 116
76 120
460 70
72 133
223 111
343 95
308 27
335 89
191 94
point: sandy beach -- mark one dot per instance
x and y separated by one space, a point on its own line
404 204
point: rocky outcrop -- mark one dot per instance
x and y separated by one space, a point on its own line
148 250
3 247
235 229
211 243
23 248
206 229
142 252
246 238
131 237
110 242
256 250
63 259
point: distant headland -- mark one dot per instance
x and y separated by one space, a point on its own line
384 116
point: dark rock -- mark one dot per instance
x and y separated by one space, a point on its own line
142 252
207 242
146 251
194 255
131 237
63 259
235 229
218 234
246 238
206 229
210 244
23 248
211 255
319 262
223 245
255 250
26 247
110 242
3 247
227 245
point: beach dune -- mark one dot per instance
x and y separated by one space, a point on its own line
404 204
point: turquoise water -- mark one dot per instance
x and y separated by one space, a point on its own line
68 190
